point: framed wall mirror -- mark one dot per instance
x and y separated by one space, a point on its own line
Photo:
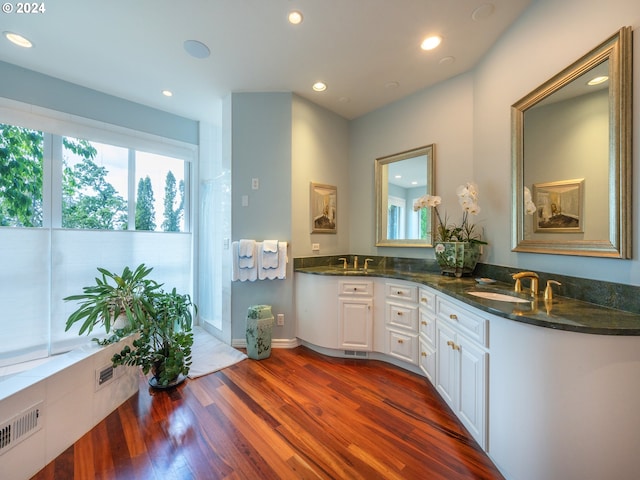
571 157
400 180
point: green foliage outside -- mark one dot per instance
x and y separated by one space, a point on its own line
145 211
20 177
172 216
89 201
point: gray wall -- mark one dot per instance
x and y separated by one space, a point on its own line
37 89
469 120
261 148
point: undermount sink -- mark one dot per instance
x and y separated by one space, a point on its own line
499 297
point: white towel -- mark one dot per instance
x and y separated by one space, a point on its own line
269 253
242 274
246 253
280 271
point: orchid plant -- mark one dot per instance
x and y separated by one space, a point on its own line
465 232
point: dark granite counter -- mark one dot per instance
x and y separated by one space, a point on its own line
561 313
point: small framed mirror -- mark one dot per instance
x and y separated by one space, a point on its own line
401 179
571 157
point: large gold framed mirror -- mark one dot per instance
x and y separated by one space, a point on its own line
401 179
571 154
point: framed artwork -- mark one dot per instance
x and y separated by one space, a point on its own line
559 206
324 208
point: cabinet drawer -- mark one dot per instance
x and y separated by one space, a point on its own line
402 315
356 287
473 326
403 346
427 327
400 291
427 299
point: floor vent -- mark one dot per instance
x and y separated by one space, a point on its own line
355 353
20 427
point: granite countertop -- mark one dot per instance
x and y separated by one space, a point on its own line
561 313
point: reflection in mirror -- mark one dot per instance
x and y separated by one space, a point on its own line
572 158
400 180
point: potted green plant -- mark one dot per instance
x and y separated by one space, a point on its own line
160 322
457 247
163 346
118 302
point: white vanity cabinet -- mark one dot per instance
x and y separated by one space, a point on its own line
355 315
462 360
317 310
427 328
401 321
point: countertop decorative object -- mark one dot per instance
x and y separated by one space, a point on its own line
561 313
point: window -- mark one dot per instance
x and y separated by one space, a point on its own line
94 185
97 198
395 226
21 170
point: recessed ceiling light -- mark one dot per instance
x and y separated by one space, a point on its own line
295 17
18 39
446 60
167 93
391 85
319 86
430 43
598 80
196 49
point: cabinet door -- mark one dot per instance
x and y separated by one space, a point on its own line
428 361
472 396
428 327
355 325
447 364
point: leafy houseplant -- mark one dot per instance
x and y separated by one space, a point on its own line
164 342
161 322
457 247
113 296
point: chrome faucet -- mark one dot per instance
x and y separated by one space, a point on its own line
534 281
366 262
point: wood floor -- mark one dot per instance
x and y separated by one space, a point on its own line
295 415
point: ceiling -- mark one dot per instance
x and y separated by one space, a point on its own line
366 51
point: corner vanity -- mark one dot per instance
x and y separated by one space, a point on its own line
549 389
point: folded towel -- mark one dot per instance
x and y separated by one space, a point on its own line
270 254
241 274
246 253
280 271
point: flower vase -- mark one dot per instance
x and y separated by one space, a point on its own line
457 258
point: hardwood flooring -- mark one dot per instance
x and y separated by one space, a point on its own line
295 415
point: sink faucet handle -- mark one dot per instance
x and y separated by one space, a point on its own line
344 262
548 292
